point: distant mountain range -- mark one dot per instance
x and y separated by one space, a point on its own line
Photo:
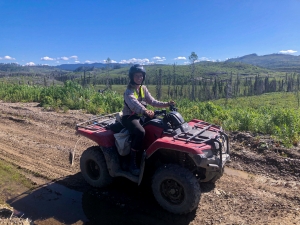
73 67
278 62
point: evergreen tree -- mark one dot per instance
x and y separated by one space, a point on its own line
193 58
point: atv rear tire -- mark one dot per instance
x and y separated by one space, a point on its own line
93 167
176 189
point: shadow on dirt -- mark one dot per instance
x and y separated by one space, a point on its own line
121 203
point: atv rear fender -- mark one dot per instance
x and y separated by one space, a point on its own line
100 135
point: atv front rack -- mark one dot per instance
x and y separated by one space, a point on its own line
197 136
98 121
203 132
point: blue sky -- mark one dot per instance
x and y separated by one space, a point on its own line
55 32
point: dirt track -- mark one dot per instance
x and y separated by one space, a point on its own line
40 142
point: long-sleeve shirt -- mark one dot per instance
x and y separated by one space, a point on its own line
133 105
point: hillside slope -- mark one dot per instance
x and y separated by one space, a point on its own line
279 62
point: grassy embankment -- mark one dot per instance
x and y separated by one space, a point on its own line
12 182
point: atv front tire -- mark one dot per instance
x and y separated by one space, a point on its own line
93 167
176 189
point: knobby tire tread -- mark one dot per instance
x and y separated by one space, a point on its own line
189 182
95 153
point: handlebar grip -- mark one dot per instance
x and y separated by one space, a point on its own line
157 112
160 112
172 108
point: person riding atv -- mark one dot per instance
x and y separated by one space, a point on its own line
136 98
177 155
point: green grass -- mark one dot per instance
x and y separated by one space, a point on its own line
12 183
9 173
286 100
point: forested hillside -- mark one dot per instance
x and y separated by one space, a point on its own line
278 62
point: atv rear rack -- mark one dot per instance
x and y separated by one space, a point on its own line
98 121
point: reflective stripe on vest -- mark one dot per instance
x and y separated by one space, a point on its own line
136 95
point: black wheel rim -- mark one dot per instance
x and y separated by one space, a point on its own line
93 170
172 191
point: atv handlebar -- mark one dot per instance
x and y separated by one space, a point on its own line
164 112
172 107
160 112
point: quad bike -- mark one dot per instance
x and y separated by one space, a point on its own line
178 156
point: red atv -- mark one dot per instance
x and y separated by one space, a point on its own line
178 156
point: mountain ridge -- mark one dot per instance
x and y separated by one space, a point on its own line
275 61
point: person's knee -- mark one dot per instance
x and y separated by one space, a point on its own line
139 132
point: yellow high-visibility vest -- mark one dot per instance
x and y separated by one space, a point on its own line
137 94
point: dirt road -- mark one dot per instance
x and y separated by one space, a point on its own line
267 192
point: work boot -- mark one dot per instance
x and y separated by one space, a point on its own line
133 168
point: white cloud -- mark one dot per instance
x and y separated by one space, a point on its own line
46 58
88 61
159 59
287 51
203 59
30 64
156 58
0 58
75 57
63 58
180 57
134 60
8 58
77 61
124 61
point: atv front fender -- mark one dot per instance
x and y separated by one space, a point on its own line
176 145
202 154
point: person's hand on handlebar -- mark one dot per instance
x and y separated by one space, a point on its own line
149 113
171 102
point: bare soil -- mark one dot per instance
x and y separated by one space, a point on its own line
260 186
